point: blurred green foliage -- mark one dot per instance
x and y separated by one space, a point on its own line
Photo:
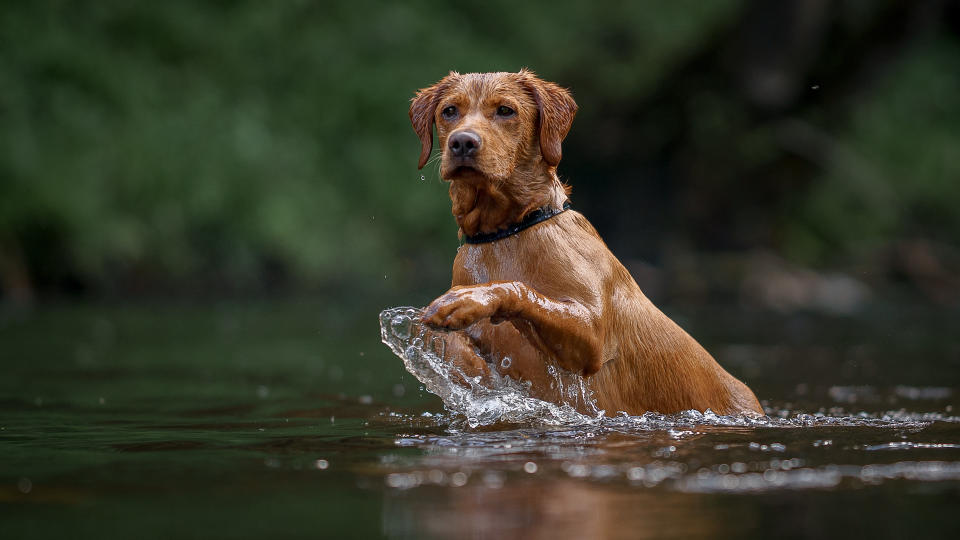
178 138
894 171
232 143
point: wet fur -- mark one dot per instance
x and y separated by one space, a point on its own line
552 294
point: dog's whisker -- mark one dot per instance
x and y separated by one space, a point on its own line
435 159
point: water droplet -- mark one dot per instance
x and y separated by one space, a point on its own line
403 480
321 464
530 467
436 476
458 479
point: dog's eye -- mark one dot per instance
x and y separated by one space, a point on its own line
505 111
449 112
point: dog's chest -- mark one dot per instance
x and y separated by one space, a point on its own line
483 263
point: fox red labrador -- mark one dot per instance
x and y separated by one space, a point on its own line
534 282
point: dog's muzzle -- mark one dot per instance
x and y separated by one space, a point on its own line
464 145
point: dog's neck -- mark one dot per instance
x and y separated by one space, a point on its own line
487 207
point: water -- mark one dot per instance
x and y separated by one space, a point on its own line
503 400
290 419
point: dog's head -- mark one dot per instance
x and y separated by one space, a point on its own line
491 125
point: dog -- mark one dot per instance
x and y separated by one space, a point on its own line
534 286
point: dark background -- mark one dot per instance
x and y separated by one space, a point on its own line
793 155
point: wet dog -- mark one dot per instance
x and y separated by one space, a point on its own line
534 285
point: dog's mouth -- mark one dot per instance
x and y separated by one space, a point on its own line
465 172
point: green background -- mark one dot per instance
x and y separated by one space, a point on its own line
236 147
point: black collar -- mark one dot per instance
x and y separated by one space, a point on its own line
531 219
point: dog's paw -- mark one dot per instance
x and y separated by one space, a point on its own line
462 306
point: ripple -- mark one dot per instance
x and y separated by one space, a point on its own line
907 445
825 477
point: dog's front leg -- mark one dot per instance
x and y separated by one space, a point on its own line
568 330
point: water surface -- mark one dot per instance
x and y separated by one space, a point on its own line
290 419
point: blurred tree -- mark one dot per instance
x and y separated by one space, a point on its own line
228 146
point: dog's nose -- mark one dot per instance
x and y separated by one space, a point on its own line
464 143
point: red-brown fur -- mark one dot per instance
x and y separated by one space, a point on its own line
552 294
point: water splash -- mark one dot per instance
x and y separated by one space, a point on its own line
499 400
504 400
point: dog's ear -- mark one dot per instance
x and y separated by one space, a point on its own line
557 109
423 107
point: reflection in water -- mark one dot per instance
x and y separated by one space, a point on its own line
490 506
548 509
611 481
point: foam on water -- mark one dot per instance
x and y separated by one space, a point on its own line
504 400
